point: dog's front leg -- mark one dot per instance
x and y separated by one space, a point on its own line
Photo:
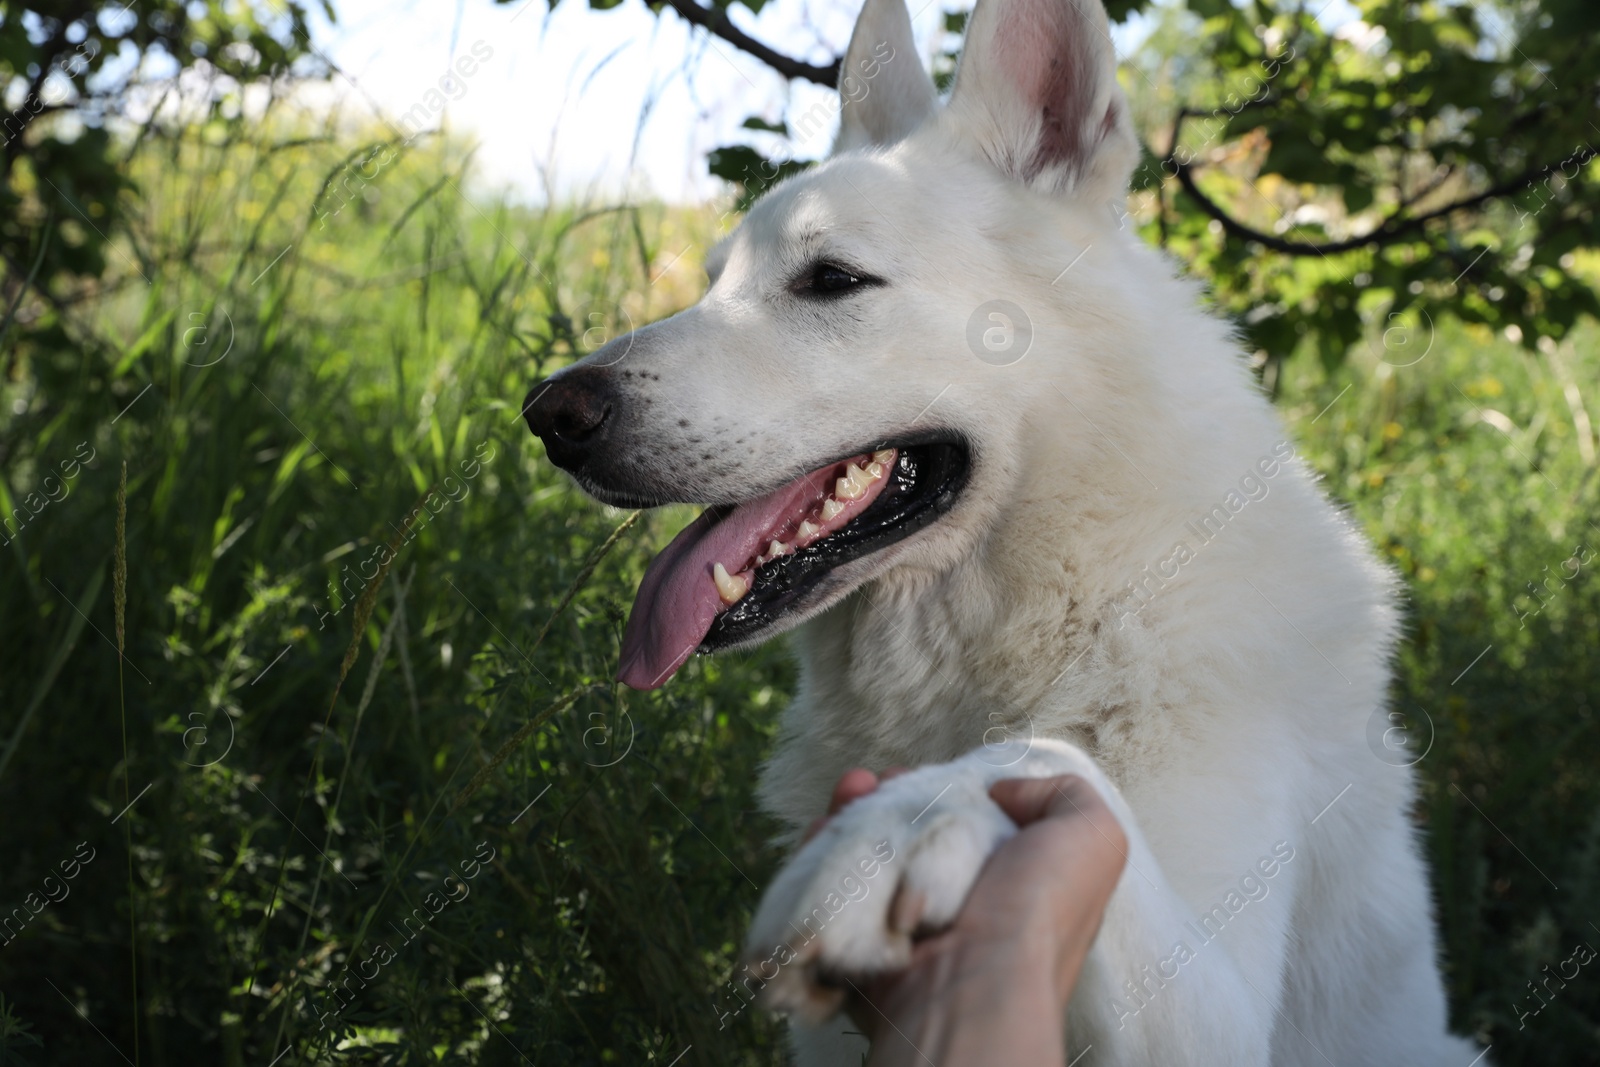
830 915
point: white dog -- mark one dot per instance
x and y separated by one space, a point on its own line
1019 498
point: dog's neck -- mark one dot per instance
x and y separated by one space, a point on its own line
1018 627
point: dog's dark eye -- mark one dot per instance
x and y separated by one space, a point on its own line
827 279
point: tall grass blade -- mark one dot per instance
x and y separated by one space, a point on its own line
119 600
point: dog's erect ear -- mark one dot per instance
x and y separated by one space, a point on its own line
884 93
1037 89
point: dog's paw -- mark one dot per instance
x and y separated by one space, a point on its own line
898 860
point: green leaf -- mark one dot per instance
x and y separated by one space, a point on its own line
753 172
756 122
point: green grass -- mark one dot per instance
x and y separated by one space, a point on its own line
1467 471
369 355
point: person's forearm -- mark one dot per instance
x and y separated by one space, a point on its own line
1002 1009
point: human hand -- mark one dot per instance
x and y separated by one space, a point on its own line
992 987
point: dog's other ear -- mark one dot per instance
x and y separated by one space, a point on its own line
1037 90
884 93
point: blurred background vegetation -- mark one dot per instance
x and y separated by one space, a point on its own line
369 632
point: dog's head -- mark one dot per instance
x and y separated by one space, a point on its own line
849 396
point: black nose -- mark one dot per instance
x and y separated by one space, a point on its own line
569 413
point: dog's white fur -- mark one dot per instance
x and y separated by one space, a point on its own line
1222 719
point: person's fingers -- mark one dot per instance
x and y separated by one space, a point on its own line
852 785
1027 800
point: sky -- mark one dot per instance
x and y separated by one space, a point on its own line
576 102
583 104
581 101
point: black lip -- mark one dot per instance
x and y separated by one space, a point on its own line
928 477
618 498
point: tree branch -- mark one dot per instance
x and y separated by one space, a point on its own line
716 21
1393 226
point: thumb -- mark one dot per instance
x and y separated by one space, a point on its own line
1068 797
1028 800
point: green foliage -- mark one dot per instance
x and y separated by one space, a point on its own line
1474 471
751 172
15 1035
1414 164
62 192
288 389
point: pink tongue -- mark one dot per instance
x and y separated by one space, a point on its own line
677 600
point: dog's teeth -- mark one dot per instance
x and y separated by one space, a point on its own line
884 456
831 508
807 531
853 484
875 469
776 549
730 587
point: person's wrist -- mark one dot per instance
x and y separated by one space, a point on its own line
970 1002
1033 944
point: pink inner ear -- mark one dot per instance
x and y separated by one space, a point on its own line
1109 122
1053 63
